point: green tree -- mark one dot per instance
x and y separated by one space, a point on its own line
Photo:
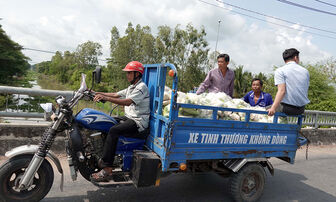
242 82
64 65
114 40
321 93
12 60
269 86
187 50
13 64
87 55
137 44
212 61
55 61
43 67
329 67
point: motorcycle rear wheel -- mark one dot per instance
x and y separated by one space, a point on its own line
12 171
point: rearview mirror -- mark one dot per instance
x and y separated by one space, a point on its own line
97 74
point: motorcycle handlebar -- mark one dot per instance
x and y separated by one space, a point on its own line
92 94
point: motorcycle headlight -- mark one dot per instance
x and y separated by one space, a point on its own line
47 107
49 110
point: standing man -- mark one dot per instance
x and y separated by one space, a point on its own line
135 98
293 83
220 79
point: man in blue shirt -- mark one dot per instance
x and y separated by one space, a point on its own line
256 97
293 83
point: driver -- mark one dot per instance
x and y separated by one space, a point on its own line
135 98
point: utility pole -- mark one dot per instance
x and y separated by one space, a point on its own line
219 21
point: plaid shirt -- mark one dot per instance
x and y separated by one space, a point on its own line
139 110
215 82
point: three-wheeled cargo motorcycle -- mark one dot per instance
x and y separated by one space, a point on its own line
239 150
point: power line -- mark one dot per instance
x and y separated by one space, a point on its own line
306 7
52 52
323 2
288 27
44 51
319 29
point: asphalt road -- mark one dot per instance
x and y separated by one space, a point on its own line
307 180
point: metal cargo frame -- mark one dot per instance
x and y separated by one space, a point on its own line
170 137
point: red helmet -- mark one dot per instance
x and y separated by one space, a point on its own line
134 66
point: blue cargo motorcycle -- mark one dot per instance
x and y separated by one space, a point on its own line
28 176
239 150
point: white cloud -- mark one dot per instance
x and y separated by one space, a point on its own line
44 21
62 25
260 49
69 18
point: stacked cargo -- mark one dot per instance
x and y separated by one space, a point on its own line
216 100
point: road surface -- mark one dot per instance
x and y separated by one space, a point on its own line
307 180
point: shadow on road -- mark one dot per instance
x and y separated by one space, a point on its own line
284 186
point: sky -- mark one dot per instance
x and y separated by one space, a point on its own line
252 40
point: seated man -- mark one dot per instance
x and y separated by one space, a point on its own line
293 83
136 101
256 97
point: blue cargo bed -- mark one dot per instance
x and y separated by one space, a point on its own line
179 139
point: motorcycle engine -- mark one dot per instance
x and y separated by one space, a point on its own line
97 142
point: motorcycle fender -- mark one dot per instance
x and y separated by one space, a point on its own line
31 149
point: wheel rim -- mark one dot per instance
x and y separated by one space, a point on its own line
251 185
13 181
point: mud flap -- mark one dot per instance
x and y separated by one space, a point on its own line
146 169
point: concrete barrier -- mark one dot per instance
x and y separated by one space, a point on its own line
320 136
13 135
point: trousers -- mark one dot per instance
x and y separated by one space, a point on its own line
292 110
126 127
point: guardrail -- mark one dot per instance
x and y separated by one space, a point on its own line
311 117
318 118
8 90
31 92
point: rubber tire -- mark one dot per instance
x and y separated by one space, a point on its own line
237 179
44 181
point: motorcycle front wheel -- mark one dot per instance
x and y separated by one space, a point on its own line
11 173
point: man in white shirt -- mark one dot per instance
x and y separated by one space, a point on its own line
135 98
292 81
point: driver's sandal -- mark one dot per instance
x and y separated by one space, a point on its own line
101 176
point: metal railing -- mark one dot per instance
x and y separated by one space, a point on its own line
8 90
311 117
316 118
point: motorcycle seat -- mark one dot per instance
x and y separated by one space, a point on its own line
130 143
